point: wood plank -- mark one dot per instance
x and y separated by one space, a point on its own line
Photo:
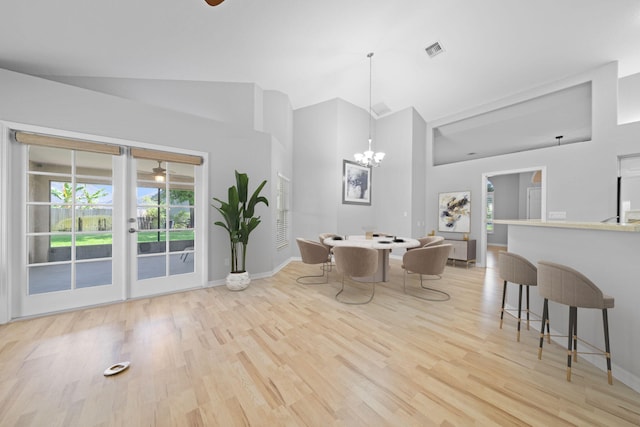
284 354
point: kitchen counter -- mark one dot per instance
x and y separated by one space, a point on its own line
608 226
609 255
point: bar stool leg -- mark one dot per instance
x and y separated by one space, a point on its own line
545 314
528 311
575 337
504 295
519 309
548 329
605 321
572 319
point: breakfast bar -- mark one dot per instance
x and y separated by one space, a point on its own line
609 255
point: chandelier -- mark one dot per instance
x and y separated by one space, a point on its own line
369 158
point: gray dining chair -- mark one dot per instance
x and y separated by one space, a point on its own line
314 253
426 261
353 261
321 238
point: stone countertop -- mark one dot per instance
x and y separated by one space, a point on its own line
585 225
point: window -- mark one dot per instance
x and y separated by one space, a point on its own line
490 194
282 212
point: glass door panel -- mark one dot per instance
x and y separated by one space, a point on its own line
165 209
69 219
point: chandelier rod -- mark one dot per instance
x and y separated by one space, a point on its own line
370 89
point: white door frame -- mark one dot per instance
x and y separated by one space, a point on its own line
12 230
5 289
136 288
483 222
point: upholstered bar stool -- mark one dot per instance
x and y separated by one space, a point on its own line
518 270
567 286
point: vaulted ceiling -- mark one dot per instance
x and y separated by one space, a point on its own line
317 50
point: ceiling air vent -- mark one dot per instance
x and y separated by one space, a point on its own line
381 109
434 49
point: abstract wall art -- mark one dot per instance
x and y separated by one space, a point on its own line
454 211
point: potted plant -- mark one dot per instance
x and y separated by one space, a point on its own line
239 221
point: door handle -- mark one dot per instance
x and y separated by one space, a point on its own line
132 230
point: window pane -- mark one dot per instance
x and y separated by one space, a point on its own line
40 217
181 263
152 218
62 192
148 196
149 267
181 196
146 173
181 175
95 245
179 240
90 274
95 193
40 252
152 242
47 159
181 218
93 164
39 189
49 278
60 216
94 218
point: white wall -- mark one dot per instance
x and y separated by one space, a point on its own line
316 170
278 121
581 177
629 99
35 101
353 136
223 102
241 105
418 176
393 179
325 134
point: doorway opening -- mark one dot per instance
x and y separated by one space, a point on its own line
510 194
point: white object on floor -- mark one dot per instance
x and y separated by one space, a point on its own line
116 369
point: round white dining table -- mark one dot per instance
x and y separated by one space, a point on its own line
384 245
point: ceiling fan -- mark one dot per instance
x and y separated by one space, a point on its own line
159 173
213 2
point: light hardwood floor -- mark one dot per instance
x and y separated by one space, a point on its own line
283 354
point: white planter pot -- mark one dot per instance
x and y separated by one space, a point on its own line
238 281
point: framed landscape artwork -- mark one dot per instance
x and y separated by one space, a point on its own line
356 184
454 211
